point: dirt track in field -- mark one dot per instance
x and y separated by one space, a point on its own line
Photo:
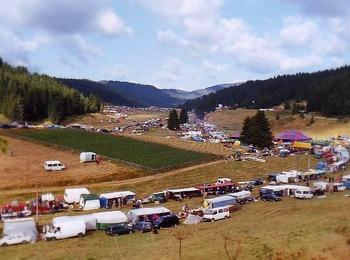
25 167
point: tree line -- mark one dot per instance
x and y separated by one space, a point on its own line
326 92
30 97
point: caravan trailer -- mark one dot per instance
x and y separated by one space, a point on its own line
88 157
73 195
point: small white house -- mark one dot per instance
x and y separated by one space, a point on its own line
88 157
73 195
54 166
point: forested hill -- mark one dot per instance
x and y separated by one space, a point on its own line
106 93
326 91
148 95
31 97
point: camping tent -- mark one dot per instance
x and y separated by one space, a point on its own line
89 201
73 195
292 136
103 219
193 219
116 198
135 215
24 226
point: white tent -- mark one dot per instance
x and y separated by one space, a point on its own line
47 197
89 219
23 227
104 219
193 219
73 195
135 214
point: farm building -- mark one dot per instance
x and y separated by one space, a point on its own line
116 199
147 214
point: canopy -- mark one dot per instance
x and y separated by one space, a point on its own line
25 226
292 135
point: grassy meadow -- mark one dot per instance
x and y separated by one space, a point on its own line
154 156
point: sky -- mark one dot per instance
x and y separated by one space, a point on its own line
182 44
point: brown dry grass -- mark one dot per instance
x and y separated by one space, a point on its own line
322 127
25 167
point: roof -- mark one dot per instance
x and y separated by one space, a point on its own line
274 188
117 194
240 193
90 196
149 211
51 162
292 135
110 217
183 190
221 198
77 190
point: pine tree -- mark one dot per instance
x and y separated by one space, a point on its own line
183 116
173 121
256 130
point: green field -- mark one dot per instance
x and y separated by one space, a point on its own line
153 156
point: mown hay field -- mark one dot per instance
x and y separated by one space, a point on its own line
291 229
149 155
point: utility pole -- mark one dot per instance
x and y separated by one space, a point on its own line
204 182
37 203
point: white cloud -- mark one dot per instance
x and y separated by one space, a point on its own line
166 36
110 23
298 31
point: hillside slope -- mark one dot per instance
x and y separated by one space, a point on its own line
326 92
30 97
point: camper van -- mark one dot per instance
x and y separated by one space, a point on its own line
54 166
303 193
216 214
65 229
88 157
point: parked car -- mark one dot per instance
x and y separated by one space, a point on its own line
143 226
166 221
15 239
270 197
216 214
303 194
120 229
54 166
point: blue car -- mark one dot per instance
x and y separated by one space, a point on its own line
143 226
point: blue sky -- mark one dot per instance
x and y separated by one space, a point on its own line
185 44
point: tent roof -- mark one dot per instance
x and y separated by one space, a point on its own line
117 194
292 135
110 217
219 199
149 211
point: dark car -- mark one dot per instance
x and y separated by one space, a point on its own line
143 226
166 221
116 230
270 197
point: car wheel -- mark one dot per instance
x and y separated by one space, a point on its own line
116 234
174 225
24 242
226 216
4 244
53 238
130 232
141 231
80 235
264 200
212 220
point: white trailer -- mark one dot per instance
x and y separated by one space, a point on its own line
88 157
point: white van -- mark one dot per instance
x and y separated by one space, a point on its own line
54 166
65 229
216 214
303 194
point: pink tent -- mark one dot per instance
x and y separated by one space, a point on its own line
292 135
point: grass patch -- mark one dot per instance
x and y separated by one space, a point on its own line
148 155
